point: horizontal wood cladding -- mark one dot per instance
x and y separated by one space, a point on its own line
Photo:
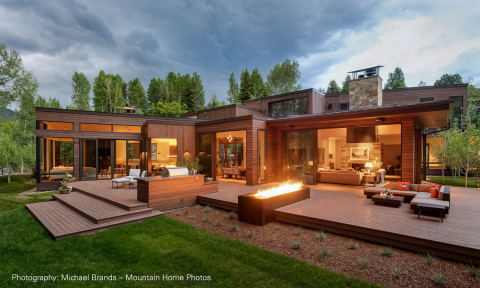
413 95
185 136
408 150
227 112
71 116
175 192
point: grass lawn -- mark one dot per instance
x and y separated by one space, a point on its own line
158 246
460 182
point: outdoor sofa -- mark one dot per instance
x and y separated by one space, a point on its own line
417 194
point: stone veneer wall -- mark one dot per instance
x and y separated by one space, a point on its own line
365 92
375 152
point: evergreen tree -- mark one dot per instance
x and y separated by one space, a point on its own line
346 84
187 98
100 93
154 92
81 92
258 88
333 87
198 92
449 79
283 78
136 94
245 87
396 79
232 89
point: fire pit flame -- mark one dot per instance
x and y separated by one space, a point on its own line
283 188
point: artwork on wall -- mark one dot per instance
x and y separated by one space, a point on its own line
321 156
154 151
359 153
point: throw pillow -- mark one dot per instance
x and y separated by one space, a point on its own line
404 186
433 192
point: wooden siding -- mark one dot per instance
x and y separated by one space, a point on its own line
251 124
174 192
185 136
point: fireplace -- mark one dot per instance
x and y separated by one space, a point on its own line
258 210
358 166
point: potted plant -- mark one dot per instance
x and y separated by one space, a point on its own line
191 163
64 188
69 177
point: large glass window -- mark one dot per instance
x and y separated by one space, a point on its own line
120 158
205 154
133 155
295 106
89 160
163 153
298 160
49 125
456 108
56 158
231 154
353 147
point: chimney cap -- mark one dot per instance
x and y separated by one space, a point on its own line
367 72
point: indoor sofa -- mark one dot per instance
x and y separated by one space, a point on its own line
340 177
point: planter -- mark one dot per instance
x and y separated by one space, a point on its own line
65 191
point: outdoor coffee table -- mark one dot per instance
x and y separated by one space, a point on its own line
394 201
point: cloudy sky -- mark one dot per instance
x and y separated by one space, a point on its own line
148 39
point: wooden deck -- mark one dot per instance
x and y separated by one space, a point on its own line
95 207
345 210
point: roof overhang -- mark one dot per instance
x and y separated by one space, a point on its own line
430 114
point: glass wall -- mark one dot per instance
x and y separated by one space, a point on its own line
205 154
89 159
351 148
104 159
133 155
298 160
231 154
56 158
120 158
295 106
262 157
163 153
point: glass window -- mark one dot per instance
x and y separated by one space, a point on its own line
163 152
295 106
205 154
56 158
133 155
426 99
49 125
344 106
95 127
127 129
298 157
456 108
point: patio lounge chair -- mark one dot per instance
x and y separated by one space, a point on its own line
134 181
133 173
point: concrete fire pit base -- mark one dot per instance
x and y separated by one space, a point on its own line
260 211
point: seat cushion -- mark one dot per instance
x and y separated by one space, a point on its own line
403 193
430 200
424 195
375 189
423 188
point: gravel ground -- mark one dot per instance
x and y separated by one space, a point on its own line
34 191
338 253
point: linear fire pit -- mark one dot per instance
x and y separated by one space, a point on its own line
259 211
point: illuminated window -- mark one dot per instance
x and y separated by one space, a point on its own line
48 125
95 127
127 129
163 152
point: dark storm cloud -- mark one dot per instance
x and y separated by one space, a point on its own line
53 26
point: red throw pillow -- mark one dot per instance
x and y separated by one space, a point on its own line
404 186
433 192
436 186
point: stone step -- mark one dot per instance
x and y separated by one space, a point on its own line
62 221
96 210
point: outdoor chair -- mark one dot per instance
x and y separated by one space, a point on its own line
133 181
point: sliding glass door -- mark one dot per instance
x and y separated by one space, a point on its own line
298 156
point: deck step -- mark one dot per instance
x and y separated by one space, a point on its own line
62 221
117 198
96 210
222 204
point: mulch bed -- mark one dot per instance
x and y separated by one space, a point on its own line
362 260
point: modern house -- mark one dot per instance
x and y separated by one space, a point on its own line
301 135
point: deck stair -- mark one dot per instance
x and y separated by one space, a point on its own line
81 213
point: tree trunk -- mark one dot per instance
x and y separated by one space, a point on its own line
8 175
443 175
466 178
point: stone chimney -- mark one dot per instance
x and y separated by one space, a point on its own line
365 88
